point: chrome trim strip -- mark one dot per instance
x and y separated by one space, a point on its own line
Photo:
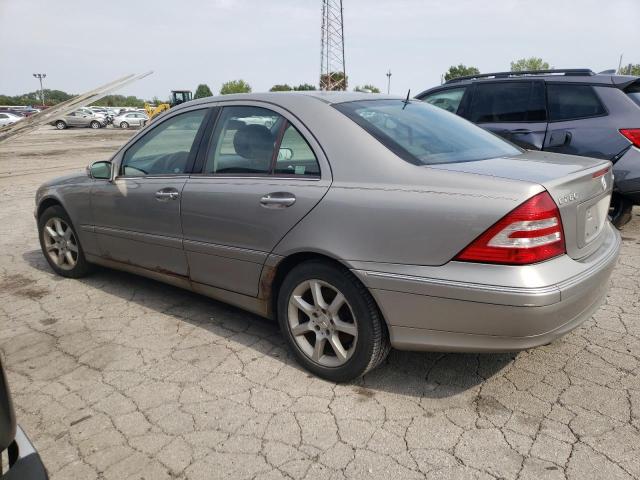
465 285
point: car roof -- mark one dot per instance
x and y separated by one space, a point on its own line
560 76
291 98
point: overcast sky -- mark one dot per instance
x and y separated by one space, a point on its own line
81 44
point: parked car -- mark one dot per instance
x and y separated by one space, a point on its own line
571 111
80 118
7 118
360 222
24 460
131 119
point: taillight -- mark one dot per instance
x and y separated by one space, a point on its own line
529 234
632 134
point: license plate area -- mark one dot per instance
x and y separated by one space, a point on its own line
592 216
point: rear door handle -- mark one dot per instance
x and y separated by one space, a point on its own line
278 200
167 194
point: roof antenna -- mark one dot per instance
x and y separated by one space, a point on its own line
406 100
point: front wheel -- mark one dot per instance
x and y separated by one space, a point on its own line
620 210
124 125
95 125
60 244
331 322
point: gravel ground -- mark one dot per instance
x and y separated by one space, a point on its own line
118 377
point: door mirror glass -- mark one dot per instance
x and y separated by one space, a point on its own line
285 154
100 170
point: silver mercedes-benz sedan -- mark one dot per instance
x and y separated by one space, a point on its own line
360 222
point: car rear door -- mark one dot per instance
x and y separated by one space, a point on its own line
513 109
261 173
578 123
136 215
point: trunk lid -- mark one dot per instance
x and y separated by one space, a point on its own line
580 186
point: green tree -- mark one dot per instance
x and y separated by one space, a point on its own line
337 80
531 63
367 89
235 86
303 87
280 88
202 91
631 70
461 70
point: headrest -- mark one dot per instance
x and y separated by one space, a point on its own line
254 142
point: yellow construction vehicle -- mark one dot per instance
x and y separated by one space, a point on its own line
177 97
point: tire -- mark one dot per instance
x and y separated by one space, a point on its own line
363 348
60 125
71 261
95 125
620 210
124 125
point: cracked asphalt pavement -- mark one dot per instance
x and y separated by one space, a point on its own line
118 377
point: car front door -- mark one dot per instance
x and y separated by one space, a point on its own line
136 215
514 109
260 174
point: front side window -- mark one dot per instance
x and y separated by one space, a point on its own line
498 102
164 150
567 102
424 135
448 100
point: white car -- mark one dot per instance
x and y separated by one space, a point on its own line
7 118
130 119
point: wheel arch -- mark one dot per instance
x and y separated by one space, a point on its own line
272 277
48 202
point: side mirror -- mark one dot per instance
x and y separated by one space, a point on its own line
285 154
99 170
7 414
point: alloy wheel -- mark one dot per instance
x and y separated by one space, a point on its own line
322 323
60 243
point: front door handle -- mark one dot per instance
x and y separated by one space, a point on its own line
167 194
521 131
278 200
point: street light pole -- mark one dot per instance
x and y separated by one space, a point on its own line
40 76
388 82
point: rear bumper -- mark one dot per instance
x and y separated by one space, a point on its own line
627 175
24 460
454 308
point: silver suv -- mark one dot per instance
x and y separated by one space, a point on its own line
80 118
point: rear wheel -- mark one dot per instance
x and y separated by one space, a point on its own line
60 244
620 210
331 322
95 125
60 125
124 125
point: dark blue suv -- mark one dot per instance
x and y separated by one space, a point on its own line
574 111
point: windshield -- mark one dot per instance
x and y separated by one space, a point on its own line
425 135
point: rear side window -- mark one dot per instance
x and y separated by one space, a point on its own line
498 102
568 102
448 100
633 91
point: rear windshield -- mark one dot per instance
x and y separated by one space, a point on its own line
634 92
425 135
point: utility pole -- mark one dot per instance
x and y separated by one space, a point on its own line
40 76
388 81
333 74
